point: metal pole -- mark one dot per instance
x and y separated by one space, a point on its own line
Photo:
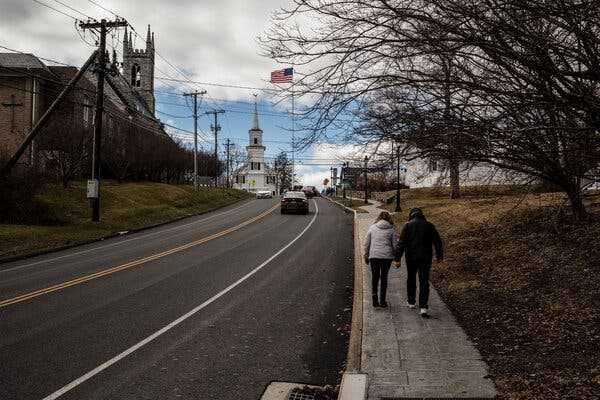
98 123
216 128
344 180
195 141
366 187
216 154
398 208
195 96
293 142
227 184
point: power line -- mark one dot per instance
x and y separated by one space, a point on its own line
73 9
41 58
58 11
104 8
217 84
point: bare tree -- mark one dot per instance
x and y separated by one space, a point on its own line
513 84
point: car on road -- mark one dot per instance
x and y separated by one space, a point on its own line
294 202
264 194
310 191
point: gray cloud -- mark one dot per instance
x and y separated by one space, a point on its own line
212 40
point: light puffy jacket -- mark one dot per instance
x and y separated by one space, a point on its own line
380 241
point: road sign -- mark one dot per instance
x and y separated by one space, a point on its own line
92 188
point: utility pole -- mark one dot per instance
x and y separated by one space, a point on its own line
216 128
398 208
228 144
195 95
366 186
94 183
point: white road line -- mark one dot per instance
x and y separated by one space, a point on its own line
178 321
123 241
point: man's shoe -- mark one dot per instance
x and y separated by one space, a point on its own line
409 305
424 313
383 304
375 301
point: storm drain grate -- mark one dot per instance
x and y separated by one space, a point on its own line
294 395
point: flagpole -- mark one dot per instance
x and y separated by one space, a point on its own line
293 140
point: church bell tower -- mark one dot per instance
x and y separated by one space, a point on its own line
138 67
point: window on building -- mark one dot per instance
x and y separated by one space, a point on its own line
243 178
433 166
258 166
136 75
255 140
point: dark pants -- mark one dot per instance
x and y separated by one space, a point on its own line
379 271
422 269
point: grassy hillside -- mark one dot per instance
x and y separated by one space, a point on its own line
123 207
523 278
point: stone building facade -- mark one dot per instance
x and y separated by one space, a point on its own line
28 87
24 95
138 67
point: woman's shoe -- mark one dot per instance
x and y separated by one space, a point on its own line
375 301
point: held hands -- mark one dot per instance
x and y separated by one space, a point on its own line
397 264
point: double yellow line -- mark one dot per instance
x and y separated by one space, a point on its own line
131 264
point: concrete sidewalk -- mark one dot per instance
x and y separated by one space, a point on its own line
406 356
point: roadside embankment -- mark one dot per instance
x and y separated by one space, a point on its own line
124 207
522 277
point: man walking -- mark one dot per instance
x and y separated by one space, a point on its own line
416 240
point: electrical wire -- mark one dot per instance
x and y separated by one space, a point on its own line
58 11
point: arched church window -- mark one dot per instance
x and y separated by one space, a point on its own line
255 140
136 75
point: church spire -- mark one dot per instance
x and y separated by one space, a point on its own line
148 39
125 42
255 126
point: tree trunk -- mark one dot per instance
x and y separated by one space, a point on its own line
454 179
576 202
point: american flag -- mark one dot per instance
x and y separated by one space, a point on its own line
282 75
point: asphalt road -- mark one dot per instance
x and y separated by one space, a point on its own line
212 307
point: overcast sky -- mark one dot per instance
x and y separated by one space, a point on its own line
212 41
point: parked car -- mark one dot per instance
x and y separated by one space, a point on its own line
294 202
264 194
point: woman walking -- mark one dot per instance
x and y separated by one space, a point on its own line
379 250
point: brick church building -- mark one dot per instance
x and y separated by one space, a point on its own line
28 87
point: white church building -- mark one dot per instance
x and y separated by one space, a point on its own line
255 175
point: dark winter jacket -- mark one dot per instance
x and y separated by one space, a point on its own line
417 238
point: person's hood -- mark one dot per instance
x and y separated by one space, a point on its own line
383 224
416 213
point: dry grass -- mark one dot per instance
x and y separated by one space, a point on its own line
123 207
523 279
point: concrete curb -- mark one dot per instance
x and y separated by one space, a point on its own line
6 260
354 384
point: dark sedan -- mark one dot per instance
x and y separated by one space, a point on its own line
294 202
